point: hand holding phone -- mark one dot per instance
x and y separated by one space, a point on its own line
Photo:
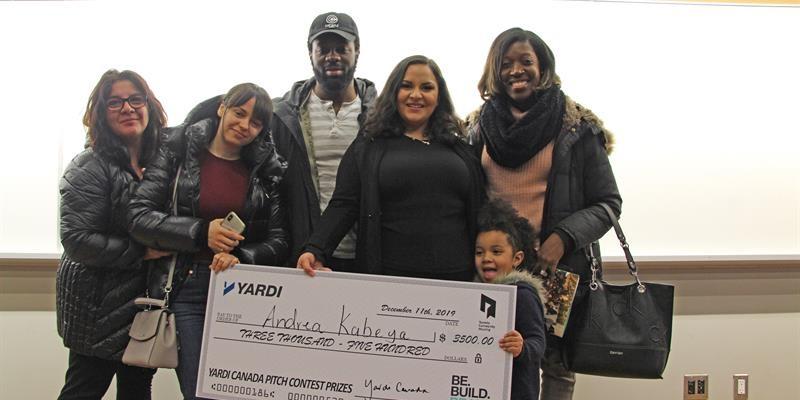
233 222
225 240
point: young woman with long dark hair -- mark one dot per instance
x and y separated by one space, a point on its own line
410 181
223 160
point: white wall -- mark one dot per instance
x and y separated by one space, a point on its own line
702 98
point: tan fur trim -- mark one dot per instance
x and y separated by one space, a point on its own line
575 113
524 276
472 118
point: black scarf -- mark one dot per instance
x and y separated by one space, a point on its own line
511 143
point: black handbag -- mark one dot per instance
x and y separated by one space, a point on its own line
620 330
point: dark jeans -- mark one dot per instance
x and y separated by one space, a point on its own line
557 382
88 378
189 307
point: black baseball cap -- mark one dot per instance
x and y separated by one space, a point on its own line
333 22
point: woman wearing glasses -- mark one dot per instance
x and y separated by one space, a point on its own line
101 270
223 160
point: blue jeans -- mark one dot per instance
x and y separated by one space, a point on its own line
189 307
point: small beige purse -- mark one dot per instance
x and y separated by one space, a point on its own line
154 339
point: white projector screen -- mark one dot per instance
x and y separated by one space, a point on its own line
702 98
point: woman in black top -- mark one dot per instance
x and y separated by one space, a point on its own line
410 182
101 271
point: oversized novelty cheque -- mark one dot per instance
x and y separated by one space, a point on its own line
275 333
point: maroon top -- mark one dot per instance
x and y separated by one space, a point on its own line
223 188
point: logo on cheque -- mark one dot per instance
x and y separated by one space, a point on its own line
227 288
252 289
488 305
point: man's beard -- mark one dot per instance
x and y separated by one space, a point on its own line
335 84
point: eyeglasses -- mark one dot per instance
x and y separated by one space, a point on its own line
135 101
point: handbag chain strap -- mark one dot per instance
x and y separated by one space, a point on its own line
595 266
632 269
168 285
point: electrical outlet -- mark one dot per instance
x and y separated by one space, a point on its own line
695 387
740 386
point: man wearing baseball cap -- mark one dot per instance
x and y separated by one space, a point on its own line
315 122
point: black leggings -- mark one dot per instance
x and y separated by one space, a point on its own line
88 378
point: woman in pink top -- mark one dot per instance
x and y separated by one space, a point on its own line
548 157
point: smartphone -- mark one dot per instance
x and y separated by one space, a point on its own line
233 222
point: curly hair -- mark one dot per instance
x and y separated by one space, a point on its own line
99 135
500 215
383 119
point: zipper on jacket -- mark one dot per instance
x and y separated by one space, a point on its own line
250 204
551 177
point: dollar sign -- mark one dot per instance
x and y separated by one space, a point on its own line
442 337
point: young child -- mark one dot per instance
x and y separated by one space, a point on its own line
499 253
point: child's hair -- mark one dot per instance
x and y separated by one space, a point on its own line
499 215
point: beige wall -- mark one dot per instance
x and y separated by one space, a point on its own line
743 319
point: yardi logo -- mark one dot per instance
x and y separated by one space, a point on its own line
253 289
227 288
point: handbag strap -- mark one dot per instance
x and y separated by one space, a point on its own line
168 285
623 242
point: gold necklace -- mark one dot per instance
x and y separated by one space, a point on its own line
423 141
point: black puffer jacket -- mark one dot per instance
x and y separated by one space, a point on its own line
100 271
298 188
150 216
580 178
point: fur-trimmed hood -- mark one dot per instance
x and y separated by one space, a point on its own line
574 115
515 276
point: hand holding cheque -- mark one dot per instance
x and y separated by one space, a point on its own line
356 337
